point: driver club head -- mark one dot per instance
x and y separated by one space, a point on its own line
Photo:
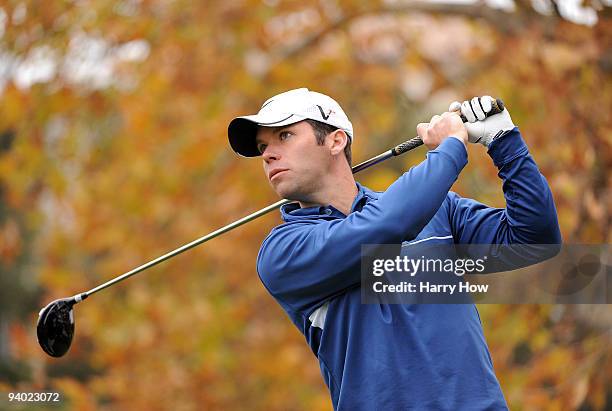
55 326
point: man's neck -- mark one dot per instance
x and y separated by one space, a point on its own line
340 195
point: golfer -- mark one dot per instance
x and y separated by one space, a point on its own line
377 356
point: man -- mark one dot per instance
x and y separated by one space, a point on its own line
377 356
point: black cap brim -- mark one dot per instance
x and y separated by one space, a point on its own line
241 133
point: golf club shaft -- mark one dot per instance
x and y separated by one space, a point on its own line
497 107
396 151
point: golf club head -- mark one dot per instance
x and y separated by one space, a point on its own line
55 326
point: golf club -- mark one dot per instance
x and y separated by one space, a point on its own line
55 327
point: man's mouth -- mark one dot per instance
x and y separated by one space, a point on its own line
275 172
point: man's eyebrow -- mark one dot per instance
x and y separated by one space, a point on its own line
281 128
275 130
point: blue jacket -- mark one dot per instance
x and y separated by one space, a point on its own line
399 357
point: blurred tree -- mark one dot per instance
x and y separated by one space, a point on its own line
119 153
17 289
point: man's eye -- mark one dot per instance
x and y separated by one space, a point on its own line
261 148
284 135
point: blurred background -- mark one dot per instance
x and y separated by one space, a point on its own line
113 150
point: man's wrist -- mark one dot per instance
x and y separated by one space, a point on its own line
460 139
507 147
454 150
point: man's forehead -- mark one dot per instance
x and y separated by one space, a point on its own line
263 131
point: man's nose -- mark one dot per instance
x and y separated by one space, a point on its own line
270 154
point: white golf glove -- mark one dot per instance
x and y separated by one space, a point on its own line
482 129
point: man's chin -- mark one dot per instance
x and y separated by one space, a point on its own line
281 191
287 196
286 193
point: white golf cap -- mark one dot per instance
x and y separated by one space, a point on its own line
283 109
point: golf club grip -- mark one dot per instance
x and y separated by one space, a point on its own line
407 146
497 106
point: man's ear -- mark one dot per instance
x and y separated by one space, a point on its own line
337 140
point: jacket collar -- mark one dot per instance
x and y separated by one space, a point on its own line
293 211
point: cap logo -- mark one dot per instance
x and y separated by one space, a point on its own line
325 117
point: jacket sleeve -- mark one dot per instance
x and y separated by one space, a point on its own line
305 263
530 216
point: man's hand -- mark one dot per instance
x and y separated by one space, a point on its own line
440 128
482 129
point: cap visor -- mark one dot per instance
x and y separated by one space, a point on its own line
242 131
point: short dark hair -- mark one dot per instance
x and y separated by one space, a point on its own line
321 130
